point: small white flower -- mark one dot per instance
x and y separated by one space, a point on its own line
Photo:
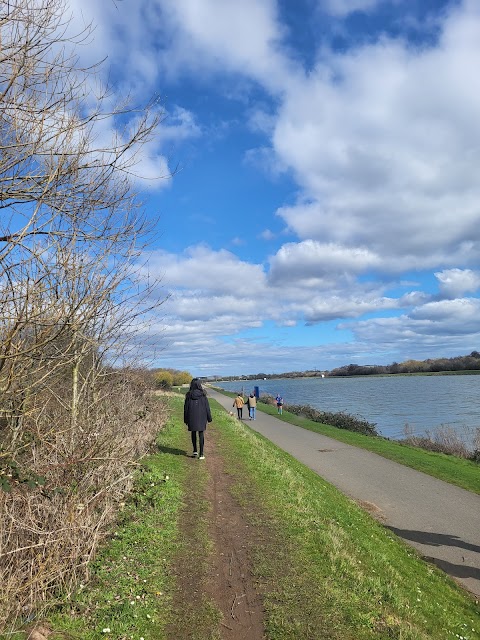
106 630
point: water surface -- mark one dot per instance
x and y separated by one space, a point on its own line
422 402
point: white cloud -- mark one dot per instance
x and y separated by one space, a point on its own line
122 51
180 124
342 8
267 235
201 268
456 282
385 141
448 317
228 36
451 324
315 264
227 311
335 307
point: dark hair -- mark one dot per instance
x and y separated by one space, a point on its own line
196 384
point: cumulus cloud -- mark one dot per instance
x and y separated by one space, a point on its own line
335 307
456 282
199 267
384 140
458 316
121 50
230 312
451 324
240 37
316 264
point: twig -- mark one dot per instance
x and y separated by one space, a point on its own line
233 605
226 625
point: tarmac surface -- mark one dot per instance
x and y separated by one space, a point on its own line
438 519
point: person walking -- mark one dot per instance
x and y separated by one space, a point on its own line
239 402
252 405
279 401
196 414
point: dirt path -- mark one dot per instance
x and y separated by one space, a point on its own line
225 579
232 586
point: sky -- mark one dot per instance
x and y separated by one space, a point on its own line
320 198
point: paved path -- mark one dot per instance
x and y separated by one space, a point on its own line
440 520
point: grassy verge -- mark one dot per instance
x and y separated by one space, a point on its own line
458 471
327 568
132 588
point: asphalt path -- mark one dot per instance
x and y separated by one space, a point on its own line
438 519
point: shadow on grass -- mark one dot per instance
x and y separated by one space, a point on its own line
171 450
441 539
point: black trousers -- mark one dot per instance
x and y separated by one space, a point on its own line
240 412
201 440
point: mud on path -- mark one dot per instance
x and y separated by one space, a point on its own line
225 578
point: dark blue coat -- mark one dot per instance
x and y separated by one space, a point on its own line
196 411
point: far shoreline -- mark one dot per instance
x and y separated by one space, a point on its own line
282 376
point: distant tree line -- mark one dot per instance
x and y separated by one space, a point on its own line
269 376
432 365
469 362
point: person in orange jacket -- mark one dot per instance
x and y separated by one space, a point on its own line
239 402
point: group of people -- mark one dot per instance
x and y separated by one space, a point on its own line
251 404
197 414
239 402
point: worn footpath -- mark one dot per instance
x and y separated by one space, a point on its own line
224 576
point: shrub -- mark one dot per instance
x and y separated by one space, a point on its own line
64 487
163 379
446 440
341 420
181 377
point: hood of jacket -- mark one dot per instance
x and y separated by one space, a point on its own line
196 394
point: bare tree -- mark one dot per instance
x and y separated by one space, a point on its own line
71 230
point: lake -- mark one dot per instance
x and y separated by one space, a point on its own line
421 402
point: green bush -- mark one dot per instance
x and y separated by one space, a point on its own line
163 379
181 377
340 420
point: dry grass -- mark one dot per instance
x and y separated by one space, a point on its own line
67 487
447 440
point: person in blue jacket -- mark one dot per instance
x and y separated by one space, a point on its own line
279 401
196 414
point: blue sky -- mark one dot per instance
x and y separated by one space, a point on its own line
325 207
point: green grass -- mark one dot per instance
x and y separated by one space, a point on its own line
458 471
330 570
